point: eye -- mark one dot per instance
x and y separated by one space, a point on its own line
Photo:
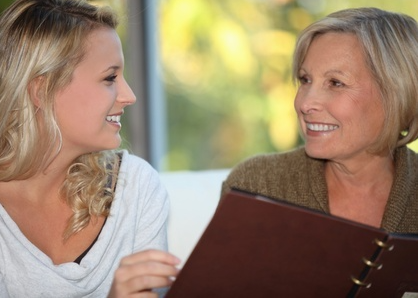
303 80
111 78
336 83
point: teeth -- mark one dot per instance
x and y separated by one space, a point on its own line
113 118
321 127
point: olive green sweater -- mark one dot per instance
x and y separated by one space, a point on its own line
299 179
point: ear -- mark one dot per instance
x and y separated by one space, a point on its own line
36 91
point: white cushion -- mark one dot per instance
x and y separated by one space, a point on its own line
194 196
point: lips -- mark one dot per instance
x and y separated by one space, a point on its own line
321 127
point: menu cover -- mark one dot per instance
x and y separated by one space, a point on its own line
258 247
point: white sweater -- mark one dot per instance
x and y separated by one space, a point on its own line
137 221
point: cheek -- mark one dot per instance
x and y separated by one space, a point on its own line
297 100
297 104
376 121
74 106
365 119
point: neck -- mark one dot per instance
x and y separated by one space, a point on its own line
360 192
370 171
40 188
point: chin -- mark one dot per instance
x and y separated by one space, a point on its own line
316 152
111 145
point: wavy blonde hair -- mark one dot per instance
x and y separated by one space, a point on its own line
390 45
44 40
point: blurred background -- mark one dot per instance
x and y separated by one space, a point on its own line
212 77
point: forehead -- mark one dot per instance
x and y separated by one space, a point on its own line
102 45
331 45
337 51
102 35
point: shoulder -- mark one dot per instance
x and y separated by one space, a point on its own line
137 175
402 208
261 173
135 166
406 163
409 155
133 160
406 168
273 163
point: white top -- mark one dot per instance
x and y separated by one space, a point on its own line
137 221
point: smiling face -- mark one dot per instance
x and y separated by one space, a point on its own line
88 110
338 102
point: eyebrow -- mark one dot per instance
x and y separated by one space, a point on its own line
113 67
332 71
328 72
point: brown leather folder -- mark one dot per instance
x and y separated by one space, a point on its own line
257 247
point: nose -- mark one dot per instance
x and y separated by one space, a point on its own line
308 100
125 94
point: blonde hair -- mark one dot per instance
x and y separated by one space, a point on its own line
390 44
44 40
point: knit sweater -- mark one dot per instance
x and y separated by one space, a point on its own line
137 221
299 179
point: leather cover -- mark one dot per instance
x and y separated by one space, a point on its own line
257 247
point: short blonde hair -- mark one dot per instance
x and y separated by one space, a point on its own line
44 40
390 44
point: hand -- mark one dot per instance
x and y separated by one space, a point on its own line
139 273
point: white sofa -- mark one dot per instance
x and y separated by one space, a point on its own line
194 196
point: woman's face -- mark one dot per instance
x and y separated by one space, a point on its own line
338 102
88 110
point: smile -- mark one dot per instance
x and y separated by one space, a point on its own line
114 118
321 127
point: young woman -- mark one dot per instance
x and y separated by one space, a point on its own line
77 219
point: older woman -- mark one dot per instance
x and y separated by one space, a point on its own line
357 104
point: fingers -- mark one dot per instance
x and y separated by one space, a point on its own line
141 295
152 254
138 295
143 271
148 273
